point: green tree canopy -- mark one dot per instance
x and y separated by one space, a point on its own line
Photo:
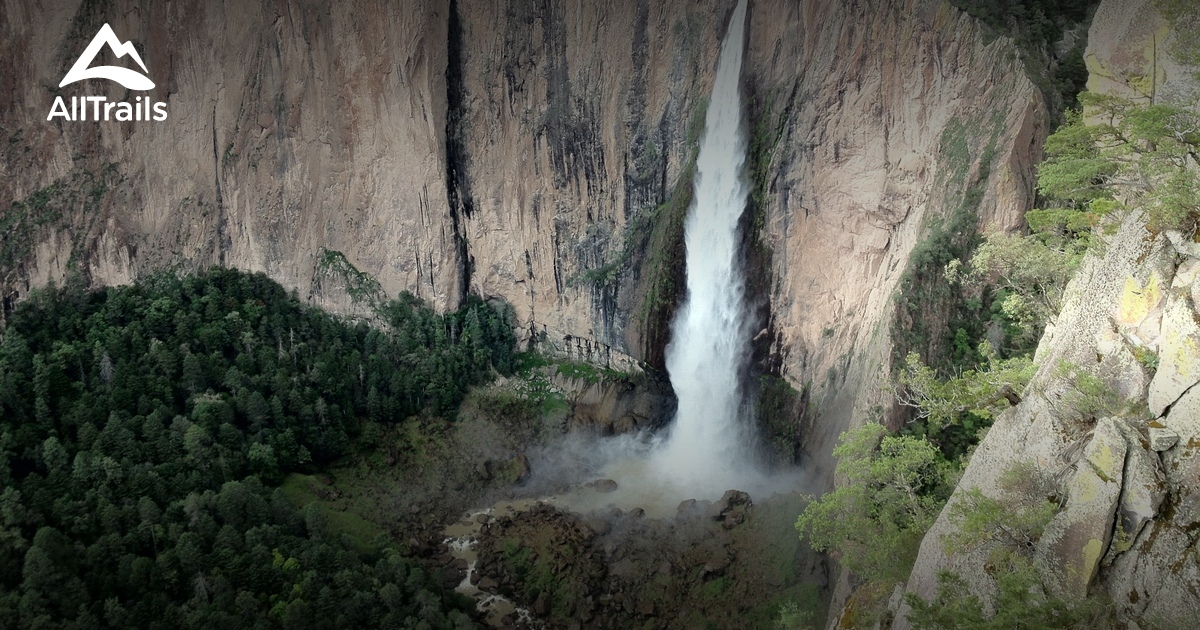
894 487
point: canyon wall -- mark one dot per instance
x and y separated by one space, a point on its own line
574 125
879 123
534 151
299 136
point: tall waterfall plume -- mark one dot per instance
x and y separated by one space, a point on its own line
709 447
708 442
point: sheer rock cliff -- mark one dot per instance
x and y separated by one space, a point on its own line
538 152
883 120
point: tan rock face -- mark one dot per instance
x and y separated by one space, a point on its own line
883 114
291 129
522 150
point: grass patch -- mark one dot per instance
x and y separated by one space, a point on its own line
590 373
714 589
343 517
532 383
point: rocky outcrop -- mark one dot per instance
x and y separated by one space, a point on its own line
1126 508
611 404
1115 406
1076 538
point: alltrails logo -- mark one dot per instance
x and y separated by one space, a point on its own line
101 109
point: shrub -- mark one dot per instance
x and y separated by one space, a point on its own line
895 486
1020 602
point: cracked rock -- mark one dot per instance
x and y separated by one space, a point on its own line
1161 437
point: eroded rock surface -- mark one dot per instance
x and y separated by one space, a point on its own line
1129 498
1075 540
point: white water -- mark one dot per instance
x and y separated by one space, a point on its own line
709 448
708 445
460 539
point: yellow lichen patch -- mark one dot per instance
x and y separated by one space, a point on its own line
1091 557
1183 353
1155 72
1137 301
1096 70
1086 489
1105 463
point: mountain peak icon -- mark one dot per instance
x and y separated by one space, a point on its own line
126 77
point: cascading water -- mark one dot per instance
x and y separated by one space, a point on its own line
709 346
708 449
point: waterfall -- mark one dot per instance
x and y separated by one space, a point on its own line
707 445
708 448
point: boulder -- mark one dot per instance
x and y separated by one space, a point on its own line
1186 275
483 470
729 501
600 526
1162 438
1184 417
718 560
1077 538
733 519
488 585
1183 463
521 467
603 485
1183 245
1195 289
1154 581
